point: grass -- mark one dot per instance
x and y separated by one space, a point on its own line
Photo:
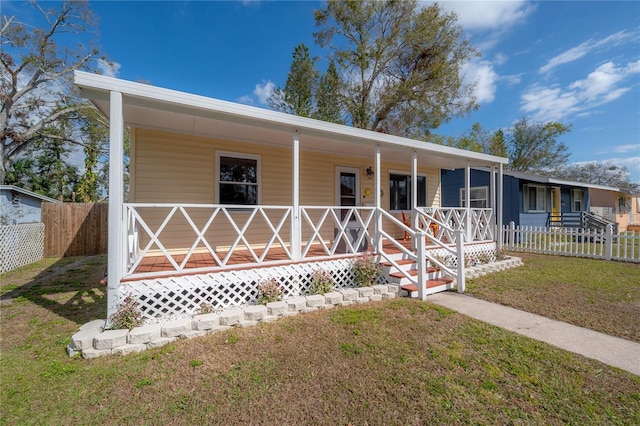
597 294
393 362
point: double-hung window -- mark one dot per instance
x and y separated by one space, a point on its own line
400 191
535 198
577 197
238 179
477 197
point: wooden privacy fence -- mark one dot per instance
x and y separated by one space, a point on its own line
624 246
75 229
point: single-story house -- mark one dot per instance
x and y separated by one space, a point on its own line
620 205
18 205
223 196
529 199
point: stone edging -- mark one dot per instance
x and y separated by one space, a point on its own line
484 269
92 341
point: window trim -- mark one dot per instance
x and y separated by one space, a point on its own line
526 198
471 188
574 199
410 176
242 156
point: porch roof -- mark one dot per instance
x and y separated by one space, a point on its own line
158 108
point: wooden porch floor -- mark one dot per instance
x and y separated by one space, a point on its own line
242 258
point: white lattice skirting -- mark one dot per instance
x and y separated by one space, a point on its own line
474 254
20 245
175 297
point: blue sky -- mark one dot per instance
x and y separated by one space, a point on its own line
576 62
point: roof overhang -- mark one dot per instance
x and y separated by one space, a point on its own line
164 109
29 193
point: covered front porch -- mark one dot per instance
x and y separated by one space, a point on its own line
221 188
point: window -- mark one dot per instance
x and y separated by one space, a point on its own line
623 205
534 198
400 192
238 179
577 196
477 197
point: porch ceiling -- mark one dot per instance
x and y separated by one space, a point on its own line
156 108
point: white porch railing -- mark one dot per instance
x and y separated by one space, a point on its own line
574 242
175 233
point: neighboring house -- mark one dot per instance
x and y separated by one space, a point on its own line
18 205
224 196
529 199
620 205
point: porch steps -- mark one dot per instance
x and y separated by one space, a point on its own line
434 283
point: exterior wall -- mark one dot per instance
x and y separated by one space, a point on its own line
533 219
27 211
176 168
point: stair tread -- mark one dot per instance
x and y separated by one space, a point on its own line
412 272
430 284
399 262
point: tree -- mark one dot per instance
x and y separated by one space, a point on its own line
596 172
328 100
535 146
297 95
36 77
96 133
399 64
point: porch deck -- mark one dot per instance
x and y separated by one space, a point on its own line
241 259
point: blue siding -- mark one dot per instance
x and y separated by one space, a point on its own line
28 209
533 219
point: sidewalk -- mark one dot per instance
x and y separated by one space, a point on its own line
611 350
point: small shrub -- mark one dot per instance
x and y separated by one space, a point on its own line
269 291
206 308
321 282
365 270
128 315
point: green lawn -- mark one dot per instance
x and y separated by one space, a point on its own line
395 362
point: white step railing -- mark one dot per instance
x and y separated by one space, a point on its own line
476 224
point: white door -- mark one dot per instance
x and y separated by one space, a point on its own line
347 187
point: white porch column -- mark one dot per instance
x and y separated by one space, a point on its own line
296 234
467 200
492 203
499 207
378 201
414 194
117 226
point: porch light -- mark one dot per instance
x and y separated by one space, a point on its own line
369 171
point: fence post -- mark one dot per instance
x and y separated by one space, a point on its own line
512 232
609 242
460 252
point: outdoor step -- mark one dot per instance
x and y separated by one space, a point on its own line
413 272
436 282
399 262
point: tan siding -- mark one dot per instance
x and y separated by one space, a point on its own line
173 168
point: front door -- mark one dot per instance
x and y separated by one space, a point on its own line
347 188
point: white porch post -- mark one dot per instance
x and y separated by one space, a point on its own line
296 234
378 234
492 203
467 200
414 194
116 252
499 207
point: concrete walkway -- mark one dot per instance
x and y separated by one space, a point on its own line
611 350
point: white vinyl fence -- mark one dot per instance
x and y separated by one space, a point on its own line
20 245
575 242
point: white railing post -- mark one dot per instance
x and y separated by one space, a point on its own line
467 200
422 263
378 227
609 242
511 236
460 251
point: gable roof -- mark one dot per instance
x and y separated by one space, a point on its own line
158 108
555 181
29 193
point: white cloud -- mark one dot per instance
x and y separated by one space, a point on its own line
493 15
263 91
586 48
246 99
108 68
627 148
485 77
599 87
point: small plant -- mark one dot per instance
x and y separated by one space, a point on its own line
500 254
321 282
269 291
365 270
128 315
206 308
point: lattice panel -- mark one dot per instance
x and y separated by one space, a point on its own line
475 254
166 298
20 245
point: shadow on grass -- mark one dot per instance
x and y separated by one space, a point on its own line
69 287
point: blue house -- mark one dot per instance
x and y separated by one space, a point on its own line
18 205
528 199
